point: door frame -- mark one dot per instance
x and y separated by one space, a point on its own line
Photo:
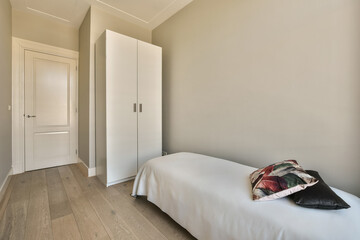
19 46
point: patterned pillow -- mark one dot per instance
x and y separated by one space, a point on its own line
279 180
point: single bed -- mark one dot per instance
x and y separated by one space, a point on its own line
212 199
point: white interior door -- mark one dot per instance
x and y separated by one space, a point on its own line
149 99
50 111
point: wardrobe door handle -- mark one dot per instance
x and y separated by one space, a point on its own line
140 107
134 107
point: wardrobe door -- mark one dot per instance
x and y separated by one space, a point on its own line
149 100
121 97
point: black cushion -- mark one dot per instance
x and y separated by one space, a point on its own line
319 196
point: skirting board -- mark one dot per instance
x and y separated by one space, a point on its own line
5 184
88 172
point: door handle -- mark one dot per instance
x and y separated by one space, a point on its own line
140 107
134 107
28 116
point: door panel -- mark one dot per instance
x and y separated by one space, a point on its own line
150 104
51 146
121 95
52 93
50 118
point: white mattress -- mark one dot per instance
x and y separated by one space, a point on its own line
212 199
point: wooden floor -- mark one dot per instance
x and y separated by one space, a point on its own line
60 203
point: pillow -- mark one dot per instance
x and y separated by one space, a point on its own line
319 196
279 180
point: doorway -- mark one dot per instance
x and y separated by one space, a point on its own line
44 106
50 93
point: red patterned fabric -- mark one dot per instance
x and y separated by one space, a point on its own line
279 180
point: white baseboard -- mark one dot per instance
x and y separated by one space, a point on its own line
91 172
5 183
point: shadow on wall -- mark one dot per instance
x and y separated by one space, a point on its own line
259 82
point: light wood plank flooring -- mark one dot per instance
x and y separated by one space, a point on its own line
60 203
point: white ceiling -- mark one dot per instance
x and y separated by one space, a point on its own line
146 13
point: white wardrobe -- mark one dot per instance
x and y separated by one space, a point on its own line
128 106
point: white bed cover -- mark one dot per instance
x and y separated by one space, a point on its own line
212 199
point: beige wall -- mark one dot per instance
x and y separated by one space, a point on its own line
5 89
84 71
41 29
262 81
99 21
